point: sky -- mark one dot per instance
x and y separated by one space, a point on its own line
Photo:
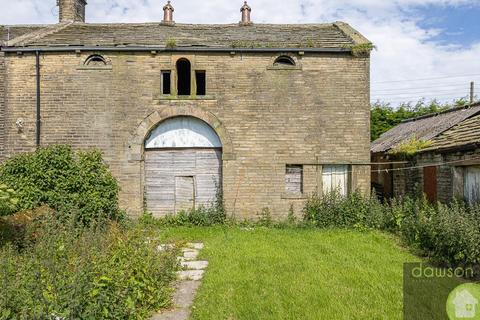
424 48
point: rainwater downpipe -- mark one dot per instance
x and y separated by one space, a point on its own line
38 115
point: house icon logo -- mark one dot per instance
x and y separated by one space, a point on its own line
464 302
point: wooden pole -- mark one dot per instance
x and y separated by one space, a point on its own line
472 92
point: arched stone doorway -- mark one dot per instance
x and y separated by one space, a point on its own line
183 165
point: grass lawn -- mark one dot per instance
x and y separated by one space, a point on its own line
297 274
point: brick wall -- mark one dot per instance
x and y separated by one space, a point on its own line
316 114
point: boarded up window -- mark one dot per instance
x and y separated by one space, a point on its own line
472 184
335 178
430 183
294 179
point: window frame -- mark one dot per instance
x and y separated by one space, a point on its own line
204 72
190 78
296 60
289 172
163 73
348 187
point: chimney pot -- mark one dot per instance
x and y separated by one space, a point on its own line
168 14
245 10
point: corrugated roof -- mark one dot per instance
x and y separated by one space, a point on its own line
331 35
466 132
423 128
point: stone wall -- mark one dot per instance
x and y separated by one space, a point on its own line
449 174
2 105
316 113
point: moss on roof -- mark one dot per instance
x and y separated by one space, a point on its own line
331 35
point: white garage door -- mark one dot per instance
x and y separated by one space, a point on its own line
183 166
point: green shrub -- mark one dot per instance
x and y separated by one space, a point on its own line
448 234
8 200
103 272
336 211
213 214
64 180
265 218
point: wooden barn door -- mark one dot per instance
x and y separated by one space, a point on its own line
184 193
430 183
181 179
472 184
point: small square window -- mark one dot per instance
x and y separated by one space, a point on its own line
294 179
166 82
201 80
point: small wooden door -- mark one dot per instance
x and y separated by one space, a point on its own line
430 183
184 193
472 184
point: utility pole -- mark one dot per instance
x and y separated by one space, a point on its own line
472 93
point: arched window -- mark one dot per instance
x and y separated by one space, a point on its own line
95 60
183 77
183 132
284 61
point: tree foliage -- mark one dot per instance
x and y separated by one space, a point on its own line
384 116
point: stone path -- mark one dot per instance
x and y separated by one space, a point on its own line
187 284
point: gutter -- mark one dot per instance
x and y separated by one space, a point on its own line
38 110
177 49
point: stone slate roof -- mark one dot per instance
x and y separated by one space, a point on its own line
423 128
333 35
11 32
465 133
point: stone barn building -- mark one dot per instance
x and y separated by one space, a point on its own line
447 168
267 114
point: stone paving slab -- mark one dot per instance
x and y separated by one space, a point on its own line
194 265
187 284
190 254
182 300
190 274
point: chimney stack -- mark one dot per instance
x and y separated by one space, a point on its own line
71 10
168 14
245 10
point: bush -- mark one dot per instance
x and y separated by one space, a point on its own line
8 200
336 211
214 214
66 181
107 272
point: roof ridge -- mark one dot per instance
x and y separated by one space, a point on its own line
202 24
433 114
37 34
